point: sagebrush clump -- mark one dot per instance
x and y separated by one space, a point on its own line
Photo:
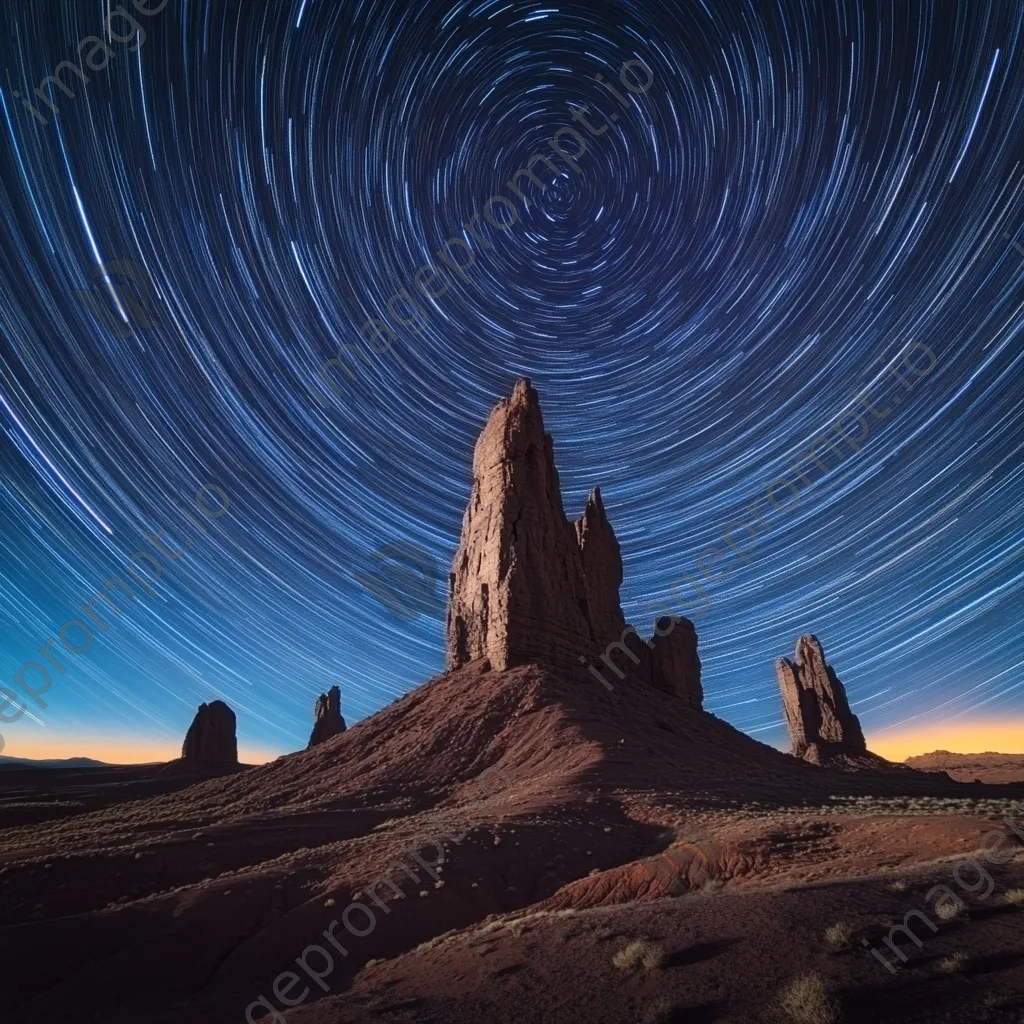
839 935
641 952
809 1000
955 963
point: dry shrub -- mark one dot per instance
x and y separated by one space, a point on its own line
955 963
839 935
948 910
640 952
809 1000
899 885
1014 896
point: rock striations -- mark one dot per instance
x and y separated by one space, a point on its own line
211 736
516 590
327 719
821 725
528 586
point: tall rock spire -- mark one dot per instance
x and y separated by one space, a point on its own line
602 570
327 718
821 724
528 586
516 592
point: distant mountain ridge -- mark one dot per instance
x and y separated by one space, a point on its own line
56 762
985 767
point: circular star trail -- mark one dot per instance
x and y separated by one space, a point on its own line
222 195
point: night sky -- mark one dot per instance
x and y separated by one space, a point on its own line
803 194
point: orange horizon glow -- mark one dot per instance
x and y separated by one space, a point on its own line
111 751
958 736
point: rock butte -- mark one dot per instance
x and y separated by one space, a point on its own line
821 724
327 719
527 586
211 736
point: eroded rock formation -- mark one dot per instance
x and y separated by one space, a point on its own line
602 571
675 666
211 736
821 724
327 719
516 589
528 586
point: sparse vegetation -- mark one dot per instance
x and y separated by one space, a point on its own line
948 910
809 1000
640 952
839 935
899 885
1013 896
918 805
955 963
662 1011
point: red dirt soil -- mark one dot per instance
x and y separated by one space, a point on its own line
185 906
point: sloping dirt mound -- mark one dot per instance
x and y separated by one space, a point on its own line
680 869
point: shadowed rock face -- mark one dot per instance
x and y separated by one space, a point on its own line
211 736
821 724
528 586
602 571
675 667
327 717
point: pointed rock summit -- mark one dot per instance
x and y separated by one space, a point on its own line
211 736
327 720
821 724
516 589
602 570
528 586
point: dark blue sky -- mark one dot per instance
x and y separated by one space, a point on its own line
802 190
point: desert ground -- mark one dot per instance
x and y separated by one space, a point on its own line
626 817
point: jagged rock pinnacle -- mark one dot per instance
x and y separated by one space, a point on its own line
516 589
602 570
327 718
821 724
528 586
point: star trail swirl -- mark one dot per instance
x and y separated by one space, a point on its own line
227 191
